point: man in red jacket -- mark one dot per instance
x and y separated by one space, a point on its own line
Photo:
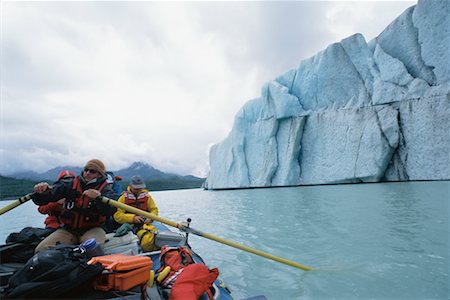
83 213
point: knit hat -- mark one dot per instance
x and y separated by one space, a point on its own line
96 164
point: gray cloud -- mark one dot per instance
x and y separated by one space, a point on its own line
152 81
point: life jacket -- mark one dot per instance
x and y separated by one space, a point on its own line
187 279
141 201
193 282
65 174
177 258
79 212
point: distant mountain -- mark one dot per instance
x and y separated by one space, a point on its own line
19 184
29 175
49 175
12 188
146 171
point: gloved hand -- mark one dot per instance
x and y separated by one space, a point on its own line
123 229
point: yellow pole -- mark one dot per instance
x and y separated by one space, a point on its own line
202 234
16 203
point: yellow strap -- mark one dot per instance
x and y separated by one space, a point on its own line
151 279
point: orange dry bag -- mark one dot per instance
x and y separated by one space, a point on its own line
195 280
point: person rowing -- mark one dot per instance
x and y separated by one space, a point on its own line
83 213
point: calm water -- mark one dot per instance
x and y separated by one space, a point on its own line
369 241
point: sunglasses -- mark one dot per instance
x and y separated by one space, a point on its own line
92 171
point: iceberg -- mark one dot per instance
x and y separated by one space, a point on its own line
355 112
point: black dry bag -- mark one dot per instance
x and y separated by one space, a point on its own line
53 273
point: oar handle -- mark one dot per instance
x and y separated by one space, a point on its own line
16 203
184 228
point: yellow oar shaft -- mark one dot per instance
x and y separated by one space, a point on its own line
256 251
140 212
202 234
16 203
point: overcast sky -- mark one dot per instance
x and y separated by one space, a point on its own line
151 81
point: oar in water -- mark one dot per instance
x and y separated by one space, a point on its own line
16 203
202 234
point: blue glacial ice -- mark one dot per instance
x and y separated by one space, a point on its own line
355 112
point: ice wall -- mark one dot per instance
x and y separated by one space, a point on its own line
355 112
